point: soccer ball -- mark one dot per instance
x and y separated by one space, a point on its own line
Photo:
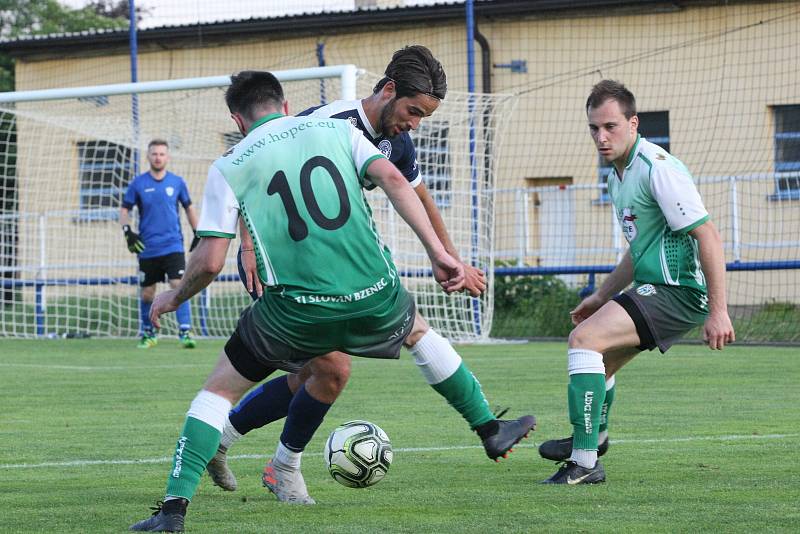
358 454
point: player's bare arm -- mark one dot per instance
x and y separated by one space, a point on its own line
474 278
249 260
202 268
124 217
718 329
191 214
620 278
446 270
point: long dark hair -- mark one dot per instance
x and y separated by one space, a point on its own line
414 70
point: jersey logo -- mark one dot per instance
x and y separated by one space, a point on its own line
149 189
661 156
385 147
170 191
646 290
627 219
353 121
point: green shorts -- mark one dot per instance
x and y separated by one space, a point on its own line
663 314
269 335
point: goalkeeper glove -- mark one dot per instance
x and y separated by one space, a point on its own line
195 241
135 243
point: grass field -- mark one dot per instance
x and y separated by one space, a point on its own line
701 441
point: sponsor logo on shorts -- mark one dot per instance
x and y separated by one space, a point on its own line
399 332
385 147
646 290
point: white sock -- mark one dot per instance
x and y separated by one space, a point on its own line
435 357
602 436
585 361
229 435
210 408
287 457
584 458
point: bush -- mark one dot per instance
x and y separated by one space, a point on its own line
532 306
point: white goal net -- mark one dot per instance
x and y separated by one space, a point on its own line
66 157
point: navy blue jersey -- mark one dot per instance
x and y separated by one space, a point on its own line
399 149
159 219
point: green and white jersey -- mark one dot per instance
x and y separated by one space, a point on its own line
297 182
657 204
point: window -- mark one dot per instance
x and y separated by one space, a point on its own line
105 170
433 157
654 126
787 153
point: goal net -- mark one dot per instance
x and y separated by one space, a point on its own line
67 156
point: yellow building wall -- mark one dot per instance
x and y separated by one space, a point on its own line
717 70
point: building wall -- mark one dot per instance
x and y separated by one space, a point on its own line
717 70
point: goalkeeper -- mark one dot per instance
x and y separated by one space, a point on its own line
159 242
411 89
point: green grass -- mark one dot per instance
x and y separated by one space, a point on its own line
701 441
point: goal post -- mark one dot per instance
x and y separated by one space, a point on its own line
67 156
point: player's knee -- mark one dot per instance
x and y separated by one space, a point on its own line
583 337
333 370
148 293
419 329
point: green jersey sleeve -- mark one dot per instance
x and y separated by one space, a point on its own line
677 196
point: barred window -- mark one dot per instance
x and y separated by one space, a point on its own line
787 153
105 170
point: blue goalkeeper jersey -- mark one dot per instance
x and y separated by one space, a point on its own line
399 149
159 218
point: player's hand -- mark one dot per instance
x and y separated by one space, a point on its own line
474 280
135 243
252 281
195 241
586 308
718 330
448 272
163 303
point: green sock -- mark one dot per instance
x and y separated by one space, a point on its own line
586 392
196 446
463 391
609 400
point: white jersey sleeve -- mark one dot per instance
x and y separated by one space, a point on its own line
364 152
678 198
220 214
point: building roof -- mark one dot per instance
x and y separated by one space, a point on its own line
92 42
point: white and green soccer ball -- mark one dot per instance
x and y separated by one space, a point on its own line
358 454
